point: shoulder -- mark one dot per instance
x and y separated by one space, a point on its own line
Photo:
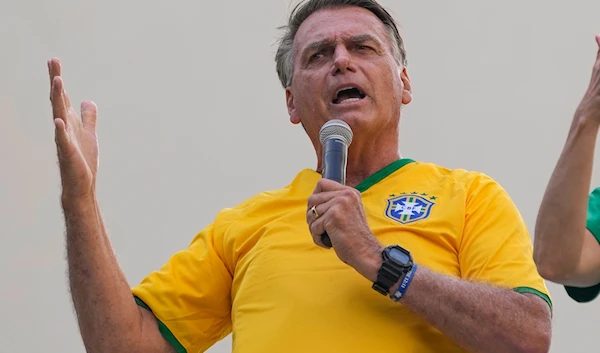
270 204
475 189
469 180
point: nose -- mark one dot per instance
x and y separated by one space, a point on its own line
342 61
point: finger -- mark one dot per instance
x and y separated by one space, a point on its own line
317 230
55 70
49 63
311 216
51 75
60 136
317 225
327 185
66 98
89 112
59 110
598 41
322 197
320 209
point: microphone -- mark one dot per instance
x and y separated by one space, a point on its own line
335 137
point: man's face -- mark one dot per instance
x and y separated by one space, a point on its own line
344 69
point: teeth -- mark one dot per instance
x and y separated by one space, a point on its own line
349 100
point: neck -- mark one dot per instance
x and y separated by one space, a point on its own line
366 158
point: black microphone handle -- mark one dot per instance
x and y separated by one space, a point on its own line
325 239
335 152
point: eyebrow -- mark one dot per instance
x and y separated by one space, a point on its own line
361 38
364 38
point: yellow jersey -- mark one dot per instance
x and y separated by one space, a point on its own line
256 273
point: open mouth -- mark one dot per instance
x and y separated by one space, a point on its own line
348 95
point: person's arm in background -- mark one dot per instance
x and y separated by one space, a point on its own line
108 317
565 251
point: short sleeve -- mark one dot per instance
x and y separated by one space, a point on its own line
587 294
190 295
496 247
593 214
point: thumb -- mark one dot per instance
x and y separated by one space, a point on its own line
89 113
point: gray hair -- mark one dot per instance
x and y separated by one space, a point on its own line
285 55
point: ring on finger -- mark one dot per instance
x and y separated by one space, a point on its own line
314 212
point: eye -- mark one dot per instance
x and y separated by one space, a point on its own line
364 47
315 56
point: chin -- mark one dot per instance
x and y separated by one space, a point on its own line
355 120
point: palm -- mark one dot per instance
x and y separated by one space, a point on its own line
83 145
76 140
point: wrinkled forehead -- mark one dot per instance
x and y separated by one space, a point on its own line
337 24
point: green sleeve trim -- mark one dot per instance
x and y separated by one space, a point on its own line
536 292
382 174
164 330
593 214
587 294
583 295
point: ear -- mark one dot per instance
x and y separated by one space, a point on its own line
291 107
407 91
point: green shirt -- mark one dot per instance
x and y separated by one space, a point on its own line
587 294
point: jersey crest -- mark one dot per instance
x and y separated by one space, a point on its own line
409 208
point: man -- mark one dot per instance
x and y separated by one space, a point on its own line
567 232
424 259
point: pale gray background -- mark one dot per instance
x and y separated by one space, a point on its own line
192 119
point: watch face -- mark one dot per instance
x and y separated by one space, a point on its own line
399 256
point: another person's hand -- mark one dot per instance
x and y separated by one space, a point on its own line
589 107
76 141
338 210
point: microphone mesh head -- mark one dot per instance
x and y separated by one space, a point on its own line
336 128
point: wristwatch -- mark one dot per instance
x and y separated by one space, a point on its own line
397 261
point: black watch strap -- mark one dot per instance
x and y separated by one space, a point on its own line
386 277
391 270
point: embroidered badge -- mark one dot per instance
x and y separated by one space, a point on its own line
408 208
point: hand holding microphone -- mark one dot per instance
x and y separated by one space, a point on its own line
335 137
338 208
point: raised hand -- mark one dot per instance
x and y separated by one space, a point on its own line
589 107
76 140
